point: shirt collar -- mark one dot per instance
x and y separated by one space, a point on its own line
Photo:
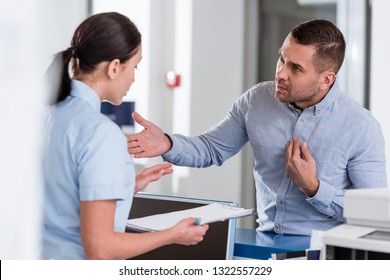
83 91
328 100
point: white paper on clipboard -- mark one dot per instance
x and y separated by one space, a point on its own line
209 213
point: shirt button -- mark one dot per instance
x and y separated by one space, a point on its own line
277 226
301 121
318 111
280 202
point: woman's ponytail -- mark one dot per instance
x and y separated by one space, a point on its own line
65 84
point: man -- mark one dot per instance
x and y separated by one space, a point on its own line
310 141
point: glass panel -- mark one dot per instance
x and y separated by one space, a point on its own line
277 18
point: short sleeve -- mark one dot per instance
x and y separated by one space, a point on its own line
105 168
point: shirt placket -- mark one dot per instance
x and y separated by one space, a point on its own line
280 214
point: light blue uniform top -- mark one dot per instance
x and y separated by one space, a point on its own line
343 137
85 159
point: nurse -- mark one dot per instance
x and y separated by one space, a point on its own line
88 174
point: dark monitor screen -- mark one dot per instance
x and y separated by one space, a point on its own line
218 243
120 114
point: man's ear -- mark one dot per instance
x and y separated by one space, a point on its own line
113 68
328 79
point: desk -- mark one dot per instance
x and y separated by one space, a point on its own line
253 244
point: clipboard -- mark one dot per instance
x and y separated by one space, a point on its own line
210 213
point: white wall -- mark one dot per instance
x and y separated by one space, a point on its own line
217 63
380 61
30 31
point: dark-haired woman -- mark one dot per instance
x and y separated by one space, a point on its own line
89 176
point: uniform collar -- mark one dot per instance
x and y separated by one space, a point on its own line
83 91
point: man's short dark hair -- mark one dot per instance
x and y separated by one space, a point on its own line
327 40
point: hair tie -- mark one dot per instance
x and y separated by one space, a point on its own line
72 51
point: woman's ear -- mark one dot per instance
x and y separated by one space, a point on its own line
113 68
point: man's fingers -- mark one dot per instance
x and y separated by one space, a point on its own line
132 143
306 152
289 148
296 148
134 150
131 137
140 120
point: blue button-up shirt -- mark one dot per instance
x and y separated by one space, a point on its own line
85 159
343 137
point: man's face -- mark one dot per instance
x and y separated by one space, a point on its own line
296 80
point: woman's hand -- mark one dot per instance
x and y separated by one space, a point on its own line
151 174
186 232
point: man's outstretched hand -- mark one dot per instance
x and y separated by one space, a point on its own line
150 142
